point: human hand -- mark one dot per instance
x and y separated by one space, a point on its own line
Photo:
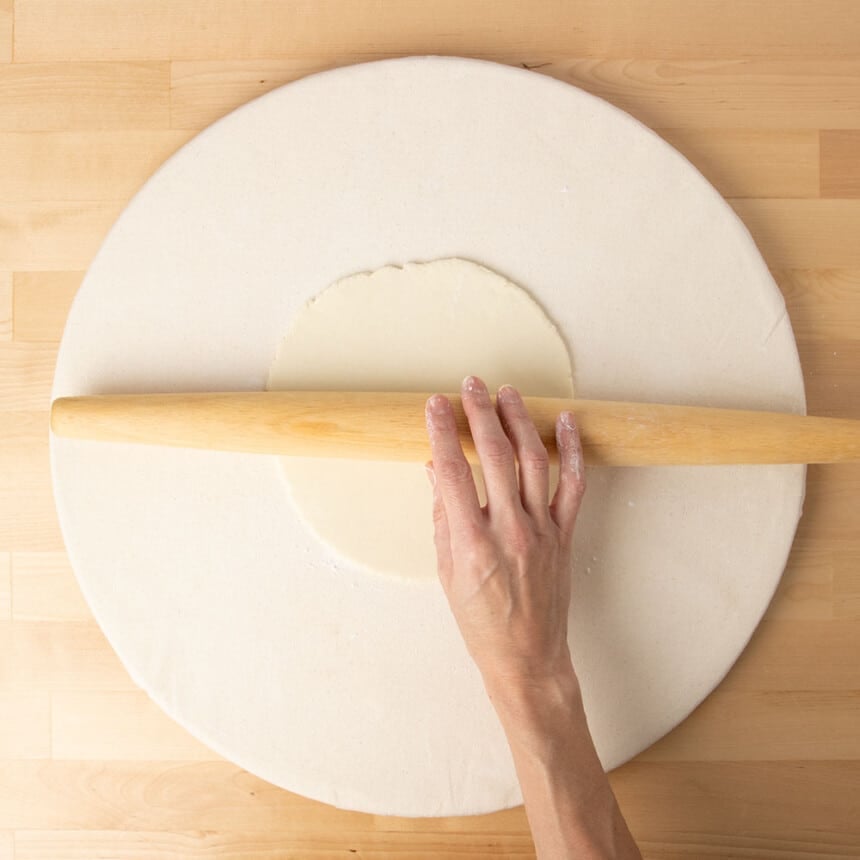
505 568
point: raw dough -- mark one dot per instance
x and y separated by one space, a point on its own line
422 327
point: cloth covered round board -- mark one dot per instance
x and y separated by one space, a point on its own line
318 674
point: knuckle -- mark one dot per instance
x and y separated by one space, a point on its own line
521 538
472 537
454 471
574 486
497 450
535 459
481 556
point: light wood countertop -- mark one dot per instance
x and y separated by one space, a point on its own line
762 96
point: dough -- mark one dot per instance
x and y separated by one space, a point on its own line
422 327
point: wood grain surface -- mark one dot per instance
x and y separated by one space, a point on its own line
763 96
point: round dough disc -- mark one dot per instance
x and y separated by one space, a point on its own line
312 672
422 327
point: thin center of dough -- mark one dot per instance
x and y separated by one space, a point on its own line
422 327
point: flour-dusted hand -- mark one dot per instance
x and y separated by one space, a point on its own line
506 567
506 571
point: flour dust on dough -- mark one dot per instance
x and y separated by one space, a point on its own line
422 327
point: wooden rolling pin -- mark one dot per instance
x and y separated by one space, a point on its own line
390 426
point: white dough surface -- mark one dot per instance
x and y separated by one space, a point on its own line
420 327
311 671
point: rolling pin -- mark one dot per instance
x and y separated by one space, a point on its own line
390 426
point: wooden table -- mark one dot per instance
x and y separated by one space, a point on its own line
763 96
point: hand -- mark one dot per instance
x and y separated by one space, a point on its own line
506 571
505 568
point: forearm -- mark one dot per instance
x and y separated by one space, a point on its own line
569 802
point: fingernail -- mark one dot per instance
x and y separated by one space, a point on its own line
508 394
568 421
431 475
437 404
474 385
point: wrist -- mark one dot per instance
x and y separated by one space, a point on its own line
537 710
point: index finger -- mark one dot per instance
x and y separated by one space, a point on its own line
453 472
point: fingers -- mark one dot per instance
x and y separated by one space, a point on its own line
441 533
530 450
571 475
455 484
492 444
